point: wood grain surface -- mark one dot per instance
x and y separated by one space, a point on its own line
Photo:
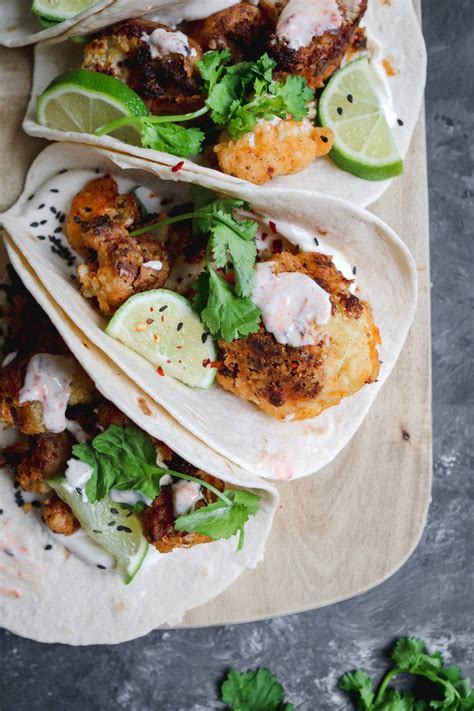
355 522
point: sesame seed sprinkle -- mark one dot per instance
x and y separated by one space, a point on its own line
101 567
350 98
179 326
316 242
125 529
163 308
48 547
54 190
339 110
400 122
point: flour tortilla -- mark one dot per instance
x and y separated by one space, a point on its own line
237 429
19 26
58 598
394 25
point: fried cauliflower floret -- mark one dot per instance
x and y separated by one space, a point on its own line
158 519
323 55
28 416
58 516
100 197
242 28
117 264
273 148
167 81
47 456
302 382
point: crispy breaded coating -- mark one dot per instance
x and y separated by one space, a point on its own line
242 28
47 456
158 519
302 382
115 267
319 60
58 516
273 148
169 83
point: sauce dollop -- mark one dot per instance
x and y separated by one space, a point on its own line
48 381
302 20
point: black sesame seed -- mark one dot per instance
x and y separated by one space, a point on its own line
87 209
179 326
316 242
350 98
79 491
125 529
58 230
41 237
62 218
43 222
111 523
400 122
339 110
97 170
54 190
31 197
101 567
1 511
324 139
34 224
16 484
354 270
204 337
53 210
40 207
48 547
163 308
95 530
114 511
130 513
36 504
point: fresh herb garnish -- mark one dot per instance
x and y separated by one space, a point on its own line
226 310
411 657
124 458
257 690
237 97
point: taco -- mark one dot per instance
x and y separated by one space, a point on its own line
107 532
268 307
253 93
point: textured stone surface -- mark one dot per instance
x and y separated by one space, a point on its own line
431 596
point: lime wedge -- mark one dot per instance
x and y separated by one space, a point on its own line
124 539
48 23
60 10
364 144
81 101
163 328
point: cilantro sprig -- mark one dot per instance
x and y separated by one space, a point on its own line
225 309
411 657
124 458
237 97
256 690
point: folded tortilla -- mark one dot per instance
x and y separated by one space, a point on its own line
394 26
236 429
52 596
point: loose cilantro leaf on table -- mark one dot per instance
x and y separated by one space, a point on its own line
411 657
172 138
257 690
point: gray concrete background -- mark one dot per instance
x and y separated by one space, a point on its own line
431 596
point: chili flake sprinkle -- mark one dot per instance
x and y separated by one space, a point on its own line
176 168
160 371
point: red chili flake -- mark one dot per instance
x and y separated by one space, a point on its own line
151 309
273 227
277 246
216 364
150 321
264 235
160 371
176 168
206 362
294 365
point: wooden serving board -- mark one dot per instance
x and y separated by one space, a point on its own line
354 523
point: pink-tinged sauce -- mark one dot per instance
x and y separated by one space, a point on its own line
302 20
185 496
48 381
292 304
162 42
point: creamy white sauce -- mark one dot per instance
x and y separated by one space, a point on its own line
48 381
9 359
192 10
128 497
185 496
78 474
167 479
293 305
154 264
162 42
149 199
302 20
84 548
78 432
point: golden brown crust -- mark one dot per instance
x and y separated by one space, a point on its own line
302 382
58 516
273 149
47 456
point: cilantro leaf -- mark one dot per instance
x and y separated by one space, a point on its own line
407 652
257 690
295 94
360 683
212 66
226 314
230 237
171 138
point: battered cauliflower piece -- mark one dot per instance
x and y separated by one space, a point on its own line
302 382
278 147
116 265
242 28
323 55
58 516
167 81
47 457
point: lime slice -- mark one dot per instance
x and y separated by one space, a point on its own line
163 328
123 539
364 144
81 101
48 23
60 10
